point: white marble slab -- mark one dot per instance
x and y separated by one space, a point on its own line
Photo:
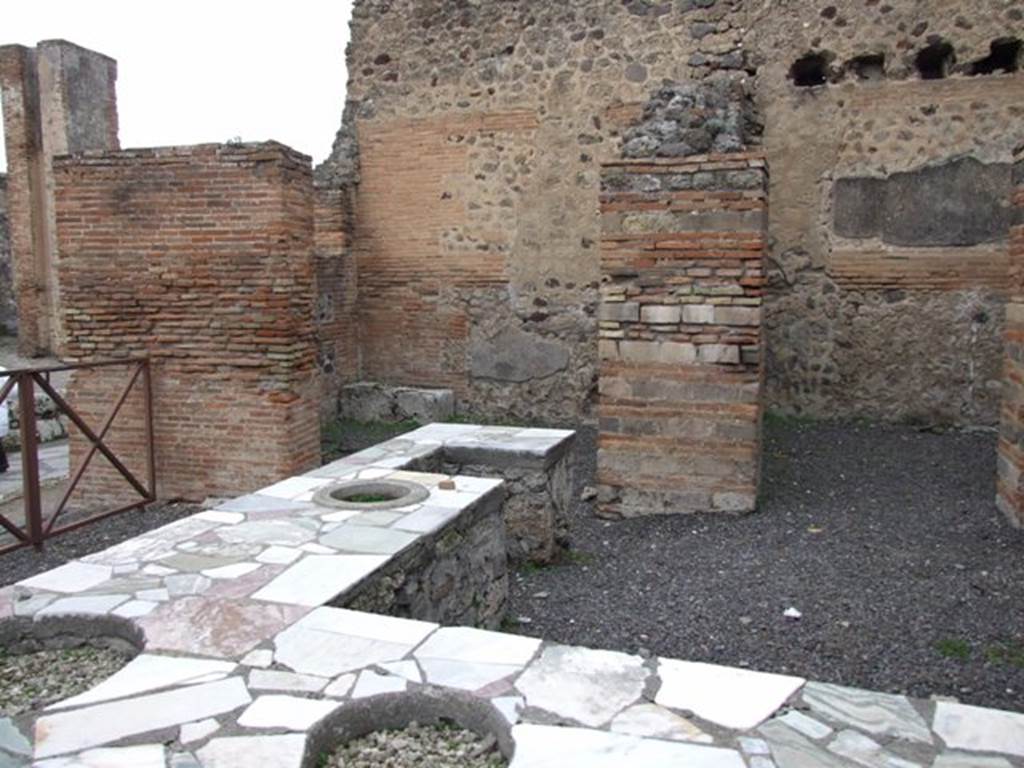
262 751
70 578
465 675
407 669
727 696
278 680
199 730
584 685
478 646
233 571
293 487
85 605
341 686
221 516
144 756
149 672
369 625
368 539
316 579
654 722
328 654
289 712
963 726
278 555
427 519
372 683
543 746
80 729
964 760
133 609
289 532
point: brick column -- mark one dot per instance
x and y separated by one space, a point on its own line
57 98
202 259
1010 465
682 250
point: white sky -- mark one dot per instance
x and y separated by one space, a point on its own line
197 71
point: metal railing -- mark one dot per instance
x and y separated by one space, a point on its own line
38 527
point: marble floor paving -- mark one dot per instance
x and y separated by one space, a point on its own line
243 659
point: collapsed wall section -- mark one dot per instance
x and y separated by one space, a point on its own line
202 259
682 252
1010 478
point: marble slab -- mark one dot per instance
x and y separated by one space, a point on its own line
731 697
587 686
963 726
80 729
317 579
541 746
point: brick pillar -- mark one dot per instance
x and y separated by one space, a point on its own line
57 98
1010 466
200 258
682 248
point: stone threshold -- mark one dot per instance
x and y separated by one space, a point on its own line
245 663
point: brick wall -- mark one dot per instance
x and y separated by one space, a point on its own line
682 250
8 307
201 258
57 98
424 244
336 328
1010 478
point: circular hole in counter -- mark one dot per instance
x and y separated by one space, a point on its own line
371 494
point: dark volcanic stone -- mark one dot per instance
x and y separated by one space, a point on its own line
885 538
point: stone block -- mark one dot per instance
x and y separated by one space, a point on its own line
608 349
658 352
370 401
620 311
746 316
718 353
425 405
661 314
699 314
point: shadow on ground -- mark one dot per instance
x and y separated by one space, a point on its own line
886 539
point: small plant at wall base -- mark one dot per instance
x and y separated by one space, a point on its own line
953 648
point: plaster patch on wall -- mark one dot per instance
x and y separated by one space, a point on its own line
957 203
515 355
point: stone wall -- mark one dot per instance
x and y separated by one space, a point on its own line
1010 480
480 130
8 307
202 259
456 576
57 98
682 252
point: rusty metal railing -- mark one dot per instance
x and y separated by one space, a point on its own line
38 527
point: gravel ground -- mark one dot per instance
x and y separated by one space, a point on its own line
886 539
32 681
418 746
26 562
